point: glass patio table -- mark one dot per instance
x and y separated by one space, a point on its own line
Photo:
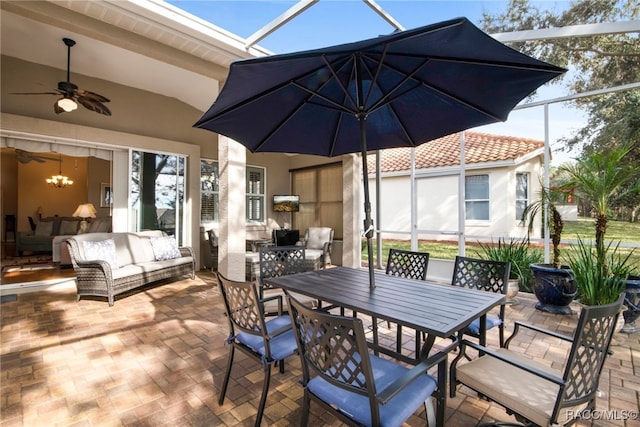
435 309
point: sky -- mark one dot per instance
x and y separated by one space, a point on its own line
331 22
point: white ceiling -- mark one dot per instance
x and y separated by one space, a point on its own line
90 57
36 41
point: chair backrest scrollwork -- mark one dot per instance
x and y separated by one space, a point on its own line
276 261
412 265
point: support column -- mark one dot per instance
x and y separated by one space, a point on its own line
232 161
352 205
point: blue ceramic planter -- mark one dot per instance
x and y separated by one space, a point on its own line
555 288
632 302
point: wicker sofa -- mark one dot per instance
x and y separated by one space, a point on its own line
108 264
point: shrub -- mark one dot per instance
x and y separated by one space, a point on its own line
519 253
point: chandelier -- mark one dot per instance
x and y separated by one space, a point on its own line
59 181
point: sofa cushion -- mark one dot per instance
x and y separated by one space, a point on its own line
164 248
69 227
104 250
100 225
44 228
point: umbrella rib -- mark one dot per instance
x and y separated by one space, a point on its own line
377 73
488 63
335 136
388 94
338 107
335 76
311 92
440 91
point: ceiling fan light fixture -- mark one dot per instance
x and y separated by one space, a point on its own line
67 104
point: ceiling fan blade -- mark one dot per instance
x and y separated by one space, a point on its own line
34 93
57 108
93 105
27 156
91 95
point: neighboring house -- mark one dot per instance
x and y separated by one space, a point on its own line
501 178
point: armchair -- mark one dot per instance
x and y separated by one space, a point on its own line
266 342
277 261
317 241
412 265
359 388
535 393
483 275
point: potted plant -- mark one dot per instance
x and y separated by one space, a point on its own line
600 273
604 178
554 284
520 255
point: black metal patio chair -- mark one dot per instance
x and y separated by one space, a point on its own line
266 342
536 393
277 261
484 275
359 388
411 265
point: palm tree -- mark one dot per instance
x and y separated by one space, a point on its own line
554 219
603 178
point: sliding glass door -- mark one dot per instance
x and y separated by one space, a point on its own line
157 192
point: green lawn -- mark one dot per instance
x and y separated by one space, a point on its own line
583 228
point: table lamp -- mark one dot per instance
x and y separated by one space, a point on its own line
84 211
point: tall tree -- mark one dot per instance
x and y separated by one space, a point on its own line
602 178
595 62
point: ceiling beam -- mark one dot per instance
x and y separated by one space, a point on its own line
584 30
383 14
287 16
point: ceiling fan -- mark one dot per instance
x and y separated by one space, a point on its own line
72 94
27 156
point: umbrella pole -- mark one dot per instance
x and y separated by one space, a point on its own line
368 222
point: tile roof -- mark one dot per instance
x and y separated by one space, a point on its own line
445 151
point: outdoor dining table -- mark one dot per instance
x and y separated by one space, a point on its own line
438 310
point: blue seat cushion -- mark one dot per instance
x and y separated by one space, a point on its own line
282 346
492 322
356 406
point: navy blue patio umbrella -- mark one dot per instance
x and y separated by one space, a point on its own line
399 90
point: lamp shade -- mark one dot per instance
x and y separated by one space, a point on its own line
85 210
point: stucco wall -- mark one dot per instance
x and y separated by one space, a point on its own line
437 203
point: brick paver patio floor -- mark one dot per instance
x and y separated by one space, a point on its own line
157 357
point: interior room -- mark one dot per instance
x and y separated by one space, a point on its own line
27 197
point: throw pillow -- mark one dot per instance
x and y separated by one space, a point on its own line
69 227
103 250
165 248
44 228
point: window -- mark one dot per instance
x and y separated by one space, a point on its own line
476 197
157 192
255 194
522 194
209 191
